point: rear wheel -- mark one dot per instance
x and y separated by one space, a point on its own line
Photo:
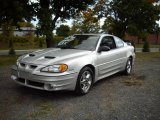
128 68
84 81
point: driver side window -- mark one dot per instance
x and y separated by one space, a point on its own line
108 41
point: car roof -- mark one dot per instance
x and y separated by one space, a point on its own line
94 34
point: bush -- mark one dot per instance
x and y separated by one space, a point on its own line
146 47
11 48
39 42
12 51
57 39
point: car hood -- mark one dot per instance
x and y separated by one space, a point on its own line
52 55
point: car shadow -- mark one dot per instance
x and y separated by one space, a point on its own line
108 79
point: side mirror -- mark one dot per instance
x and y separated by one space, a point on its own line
103 48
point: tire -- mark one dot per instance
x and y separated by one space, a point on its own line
84 81
128 68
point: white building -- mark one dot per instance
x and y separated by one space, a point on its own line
23 31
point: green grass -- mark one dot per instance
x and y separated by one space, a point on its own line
151 46
7 60
44 110
147 56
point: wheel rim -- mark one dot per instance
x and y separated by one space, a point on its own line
86 81
129 66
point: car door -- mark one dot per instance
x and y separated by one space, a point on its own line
121 52
108 61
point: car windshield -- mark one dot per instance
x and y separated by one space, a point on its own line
80 42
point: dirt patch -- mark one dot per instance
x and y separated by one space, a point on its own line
133 80
44 109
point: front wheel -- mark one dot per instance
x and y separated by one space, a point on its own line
84 81
128 68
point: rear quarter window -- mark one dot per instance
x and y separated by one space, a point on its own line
119 42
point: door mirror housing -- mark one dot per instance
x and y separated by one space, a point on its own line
103 49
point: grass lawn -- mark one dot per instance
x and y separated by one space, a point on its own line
151 46
6 60
147 56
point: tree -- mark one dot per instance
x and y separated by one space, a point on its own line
49 11
87 22
129 16
25 24
90 22
14 11
63 30
108 26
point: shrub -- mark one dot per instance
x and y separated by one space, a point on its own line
12 51
11 47
39 41
57 39
146 47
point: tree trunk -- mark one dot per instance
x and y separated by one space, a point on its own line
49 40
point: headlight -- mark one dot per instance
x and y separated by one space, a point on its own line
55 68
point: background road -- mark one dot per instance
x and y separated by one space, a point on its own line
119 97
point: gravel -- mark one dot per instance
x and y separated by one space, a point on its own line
119 97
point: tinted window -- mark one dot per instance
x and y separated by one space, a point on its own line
119 42
81 42
108 41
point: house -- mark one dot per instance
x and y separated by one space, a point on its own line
23 31
152 38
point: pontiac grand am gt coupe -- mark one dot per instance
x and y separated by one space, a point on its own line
75 63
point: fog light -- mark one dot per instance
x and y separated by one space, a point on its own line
48 86
13 77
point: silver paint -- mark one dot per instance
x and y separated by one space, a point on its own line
104 63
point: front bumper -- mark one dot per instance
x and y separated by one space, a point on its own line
49 83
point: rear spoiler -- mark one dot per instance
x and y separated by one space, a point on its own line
129 42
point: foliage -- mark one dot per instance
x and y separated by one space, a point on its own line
11 48
109 25
57 39
49 11
7 29
15 11
133 16
25 24
12 51
146 47
63 30
86 23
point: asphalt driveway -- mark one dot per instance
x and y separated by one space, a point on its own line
119 97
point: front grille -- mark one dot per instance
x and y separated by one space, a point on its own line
33 83
21 80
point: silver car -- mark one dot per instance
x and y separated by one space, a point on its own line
75 64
